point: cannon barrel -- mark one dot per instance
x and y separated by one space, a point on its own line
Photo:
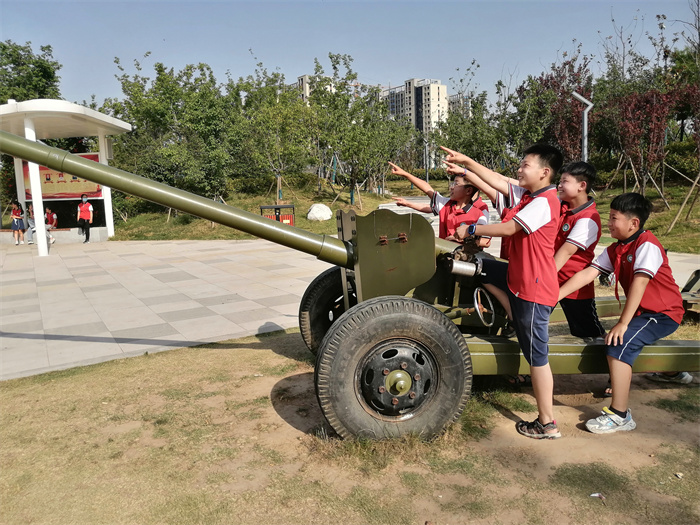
324 247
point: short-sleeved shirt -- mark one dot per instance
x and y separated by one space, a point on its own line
580 227
532 273
452 216
505 211
643 253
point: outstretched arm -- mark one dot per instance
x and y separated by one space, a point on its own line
418 183
495 180
564 254
453 169
502 229
400 201
579 280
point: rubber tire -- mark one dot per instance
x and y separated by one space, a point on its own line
353 337
322 297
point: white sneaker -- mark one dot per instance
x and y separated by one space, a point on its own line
610 422
16 243
30 242
21 242
53 240
682 378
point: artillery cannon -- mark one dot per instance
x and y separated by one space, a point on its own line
399 324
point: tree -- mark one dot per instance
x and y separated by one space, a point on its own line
24 75
179 124
278 127
354 124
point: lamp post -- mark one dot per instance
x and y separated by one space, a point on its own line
426 159
584 131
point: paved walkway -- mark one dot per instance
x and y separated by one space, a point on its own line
90 303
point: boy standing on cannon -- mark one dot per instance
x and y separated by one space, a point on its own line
531 278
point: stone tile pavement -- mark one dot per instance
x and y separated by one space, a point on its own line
89 303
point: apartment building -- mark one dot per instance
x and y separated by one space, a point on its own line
423 102
460 103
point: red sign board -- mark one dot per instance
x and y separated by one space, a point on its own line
58 185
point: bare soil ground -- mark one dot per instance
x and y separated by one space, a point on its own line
232 433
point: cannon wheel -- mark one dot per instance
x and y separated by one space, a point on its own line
321 305
392 366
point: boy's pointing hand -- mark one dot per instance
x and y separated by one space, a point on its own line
454 156
396 170
453 169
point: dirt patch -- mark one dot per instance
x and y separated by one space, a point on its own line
230 434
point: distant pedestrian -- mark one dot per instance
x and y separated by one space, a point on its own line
51 224
85 214
31 225
17 223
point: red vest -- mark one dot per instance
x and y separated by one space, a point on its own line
85 209
451 217
643 253
51 219
580 227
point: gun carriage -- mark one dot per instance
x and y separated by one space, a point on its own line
399 323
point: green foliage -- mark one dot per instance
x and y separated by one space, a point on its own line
24 75
684 157
179 135
353 125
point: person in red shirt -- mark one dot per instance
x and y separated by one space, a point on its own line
500 202
85 214
532 274
17 226
653 308
464 206
578 235
51 220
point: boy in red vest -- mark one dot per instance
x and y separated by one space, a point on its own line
531 279
578 235
653 309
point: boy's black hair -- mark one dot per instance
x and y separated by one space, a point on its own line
632 205
550 157
582 172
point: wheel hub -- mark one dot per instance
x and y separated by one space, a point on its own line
396 377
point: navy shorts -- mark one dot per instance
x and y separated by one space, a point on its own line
531 323
582 316
645 329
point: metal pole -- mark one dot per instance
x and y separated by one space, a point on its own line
584 131
426 156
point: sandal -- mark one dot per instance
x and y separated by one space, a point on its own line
536 430
520 380
608 390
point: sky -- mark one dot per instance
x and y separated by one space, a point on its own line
389 41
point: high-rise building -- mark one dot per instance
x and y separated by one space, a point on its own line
460 103
423 102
